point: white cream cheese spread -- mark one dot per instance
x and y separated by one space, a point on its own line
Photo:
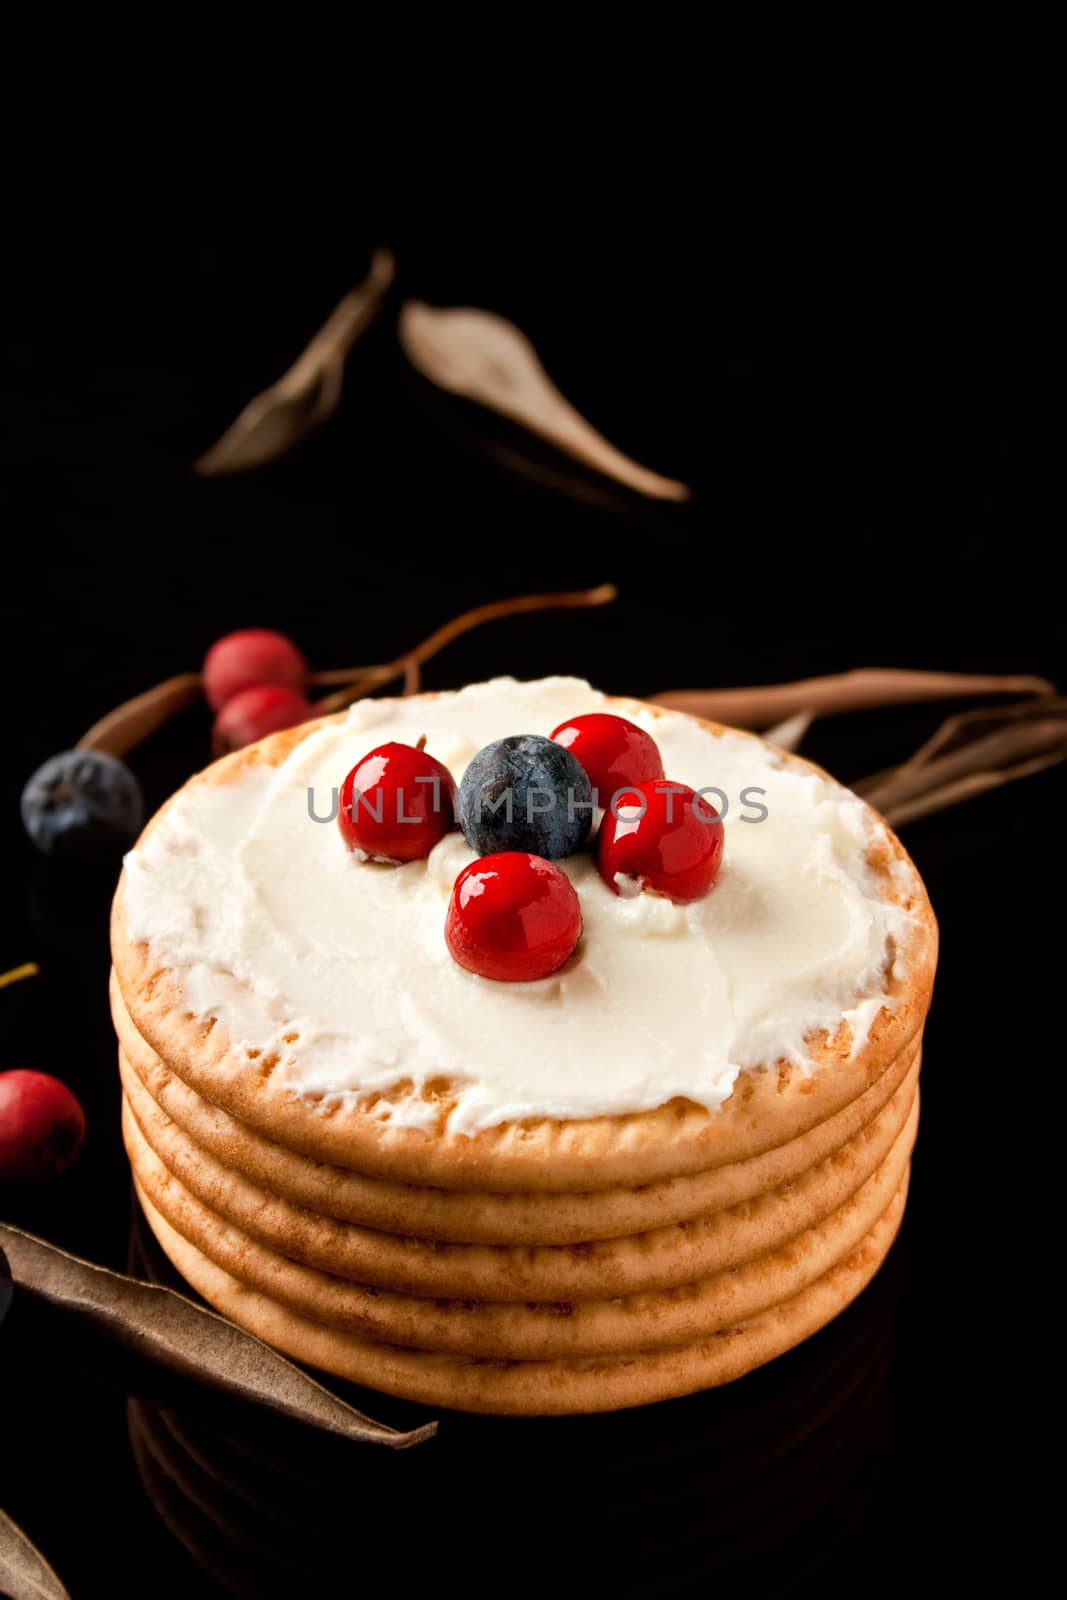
340 968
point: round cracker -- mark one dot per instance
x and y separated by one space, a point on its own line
539 1388
531 1332
659 1259
477 1216
769 1106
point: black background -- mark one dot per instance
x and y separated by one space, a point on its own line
841 384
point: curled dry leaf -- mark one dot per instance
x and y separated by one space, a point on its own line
24 1572
308 393
128 724
162 1325
486 358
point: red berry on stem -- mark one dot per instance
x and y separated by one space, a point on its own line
663 837
513 917
255 712
396 803
254 655
42 1126
614 752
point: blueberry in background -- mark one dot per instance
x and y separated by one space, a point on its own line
82 800
525 793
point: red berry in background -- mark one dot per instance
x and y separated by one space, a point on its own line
674 848
396 803
255 712
614 752
513 917
255 655
42 1126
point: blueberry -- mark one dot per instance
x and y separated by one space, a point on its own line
525 793
79 801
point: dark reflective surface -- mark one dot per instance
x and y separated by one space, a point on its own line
849 429
777 1476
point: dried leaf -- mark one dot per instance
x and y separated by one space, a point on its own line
308 393
952 794
861 690
787 735
486 358
1013 747
188 1339
120 730
24 1572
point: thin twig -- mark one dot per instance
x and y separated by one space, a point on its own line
377 677
962 721
997 751
28 969
334 675
967 789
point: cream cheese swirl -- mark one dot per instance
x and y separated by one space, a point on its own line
340 967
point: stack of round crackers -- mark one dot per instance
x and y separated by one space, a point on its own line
538 1267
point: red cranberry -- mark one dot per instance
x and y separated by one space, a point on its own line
614 752
42 1126
513 917
255 712
663 837
254 655
396 803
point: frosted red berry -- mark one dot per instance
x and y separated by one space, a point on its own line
662 837
396 803
252 656
253 713
42 1126
614 751
513 917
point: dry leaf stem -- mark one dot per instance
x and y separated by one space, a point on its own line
408 663
864 689
969 754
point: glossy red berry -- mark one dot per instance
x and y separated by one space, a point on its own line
254 655
396 803
663 837
42 1126
513 917
255 712
613 751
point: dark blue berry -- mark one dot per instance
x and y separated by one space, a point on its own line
525 793
80 801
